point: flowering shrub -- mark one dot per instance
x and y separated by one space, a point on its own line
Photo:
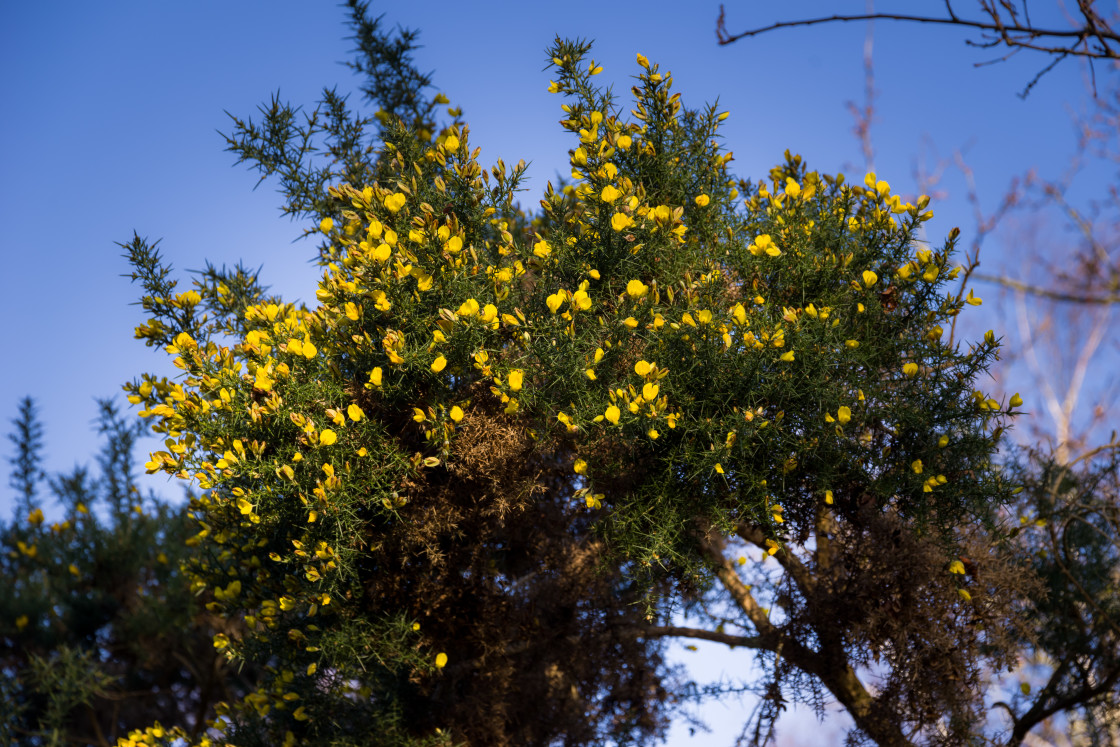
671 350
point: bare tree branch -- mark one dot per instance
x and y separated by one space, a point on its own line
1004 25
1053 295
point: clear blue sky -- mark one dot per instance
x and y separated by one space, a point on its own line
112 113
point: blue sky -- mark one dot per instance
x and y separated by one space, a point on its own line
113 113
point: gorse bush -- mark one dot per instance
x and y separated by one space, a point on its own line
504 443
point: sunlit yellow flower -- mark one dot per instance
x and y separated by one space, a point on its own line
554 301
763 244
844 415
703 200
327 437
326 224
394 202
636 288
610 193
580 467
719 468
382 253
649 392
456 413
441 660
621 221
542 249
355 412
439 364
910 369
869 278
375 376
451 143
581 300
787 356
515 379
624 142
612 414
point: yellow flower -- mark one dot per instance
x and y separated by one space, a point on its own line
612 414
719 468
703 200
451 143
439 364
828 497
649 392
515 379
653 433
870 278
468 308
554 301
956 567
844 414
441 660
764 244
787 356
354 412
624 142
621 221
636 288
375 376
580 467
610 193
327 437
35 517
630 322
793 189
910 369
642 368
454 245
456 413
1016 400
394 202
581 300
542 249
917 466
643 61
326 224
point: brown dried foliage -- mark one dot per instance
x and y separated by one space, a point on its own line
507 578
